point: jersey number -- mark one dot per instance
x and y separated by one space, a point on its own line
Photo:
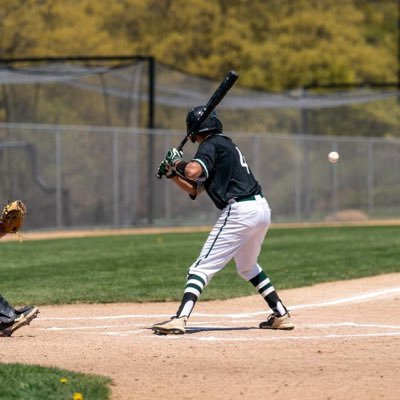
243 161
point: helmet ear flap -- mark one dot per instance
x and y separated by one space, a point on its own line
193 137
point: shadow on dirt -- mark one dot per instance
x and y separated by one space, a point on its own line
198 329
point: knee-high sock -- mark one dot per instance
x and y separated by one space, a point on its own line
193 289
264 286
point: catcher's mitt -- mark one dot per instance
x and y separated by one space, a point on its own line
13 216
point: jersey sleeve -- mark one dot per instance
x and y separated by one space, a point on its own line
206 156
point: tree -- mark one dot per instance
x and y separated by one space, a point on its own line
275 44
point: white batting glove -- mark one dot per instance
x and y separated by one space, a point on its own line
173 156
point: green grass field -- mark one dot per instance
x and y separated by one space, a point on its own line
141 268
31 382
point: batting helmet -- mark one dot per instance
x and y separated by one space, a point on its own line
211 124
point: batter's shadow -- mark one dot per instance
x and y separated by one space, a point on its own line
199 329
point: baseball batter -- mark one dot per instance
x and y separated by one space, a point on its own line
220 169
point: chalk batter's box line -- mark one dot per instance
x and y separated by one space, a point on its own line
243 318
207 324
354 299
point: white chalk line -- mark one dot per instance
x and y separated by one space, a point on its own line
260 338
352 324
353 299
124 333
207 324
240 318
106 317
312 337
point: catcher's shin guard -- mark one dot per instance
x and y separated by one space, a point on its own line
174 326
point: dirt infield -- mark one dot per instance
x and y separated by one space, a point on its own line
345 345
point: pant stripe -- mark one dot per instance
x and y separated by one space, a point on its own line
217 236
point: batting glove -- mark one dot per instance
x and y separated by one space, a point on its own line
166 169
173 156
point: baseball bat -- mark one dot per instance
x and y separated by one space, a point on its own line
214 100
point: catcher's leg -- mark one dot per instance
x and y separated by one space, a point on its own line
12 319
7 313
24 317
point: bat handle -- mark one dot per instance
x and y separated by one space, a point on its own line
181 144
179 148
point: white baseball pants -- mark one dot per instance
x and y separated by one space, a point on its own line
238 234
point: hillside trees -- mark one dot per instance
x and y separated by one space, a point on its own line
276 44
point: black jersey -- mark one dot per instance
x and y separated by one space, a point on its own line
226 172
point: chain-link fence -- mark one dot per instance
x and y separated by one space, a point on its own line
80 142
90 176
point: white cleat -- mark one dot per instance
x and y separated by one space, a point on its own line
174 326
275 322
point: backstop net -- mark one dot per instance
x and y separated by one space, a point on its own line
80 143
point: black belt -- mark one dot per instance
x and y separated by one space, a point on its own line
246 198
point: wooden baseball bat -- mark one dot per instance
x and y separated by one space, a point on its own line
215 99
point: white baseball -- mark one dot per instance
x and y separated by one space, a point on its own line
333 157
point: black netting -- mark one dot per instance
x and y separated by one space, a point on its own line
74 145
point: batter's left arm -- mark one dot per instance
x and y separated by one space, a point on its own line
186 185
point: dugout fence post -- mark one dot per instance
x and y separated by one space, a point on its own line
115 173
370 177
59 200
334 182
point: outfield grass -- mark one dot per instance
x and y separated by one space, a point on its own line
30 382
139 268
142 268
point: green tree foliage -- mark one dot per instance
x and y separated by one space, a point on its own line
51 28
276 44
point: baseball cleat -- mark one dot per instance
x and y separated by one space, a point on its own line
275 322
174 326
24 316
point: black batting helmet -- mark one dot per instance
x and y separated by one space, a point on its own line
211 124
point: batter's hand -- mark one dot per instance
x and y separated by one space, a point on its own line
166 169
174 155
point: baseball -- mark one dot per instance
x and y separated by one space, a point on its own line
333 157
